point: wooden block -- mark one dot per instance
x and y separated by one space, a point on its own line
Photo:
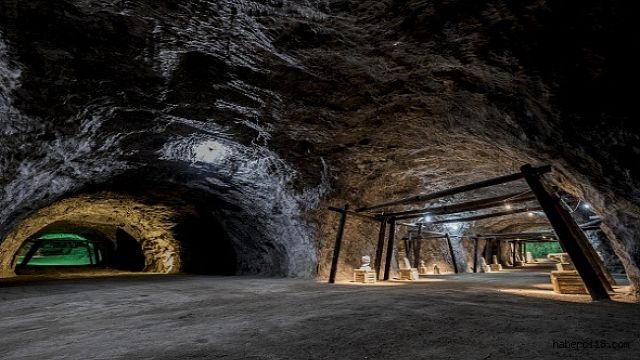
495 267
409 274
565 266
567 282
423 270
364 276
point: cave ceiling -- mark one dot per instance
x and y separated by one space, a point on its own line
266 111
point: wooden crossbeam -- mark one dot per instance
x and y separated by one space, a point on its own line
456 190
466 206
486 216
351 212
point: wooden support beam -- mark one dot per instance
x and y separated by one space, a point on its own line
513 263
571 237
516 235
453 256
524 252
390 244
380 247
417 247
336 248
475 255
486 216
407 244
473 205
488 250
351 212
456 190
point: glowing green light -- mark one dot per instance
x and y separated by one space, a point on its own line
62 236
540 250
60 249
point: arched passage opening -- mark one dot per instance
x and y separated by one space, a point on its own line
111 231
66 246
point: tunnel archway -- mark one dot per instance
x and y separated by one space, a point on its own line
74 245
104 215
149 234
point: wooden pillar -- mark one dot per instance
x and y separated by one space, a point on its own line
390 243
475 255
336 248
380 247
417 248
406 245
513 263
488 252
453 256
524 252
570 235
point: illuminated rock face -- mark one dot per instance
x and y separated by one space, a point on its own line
268 111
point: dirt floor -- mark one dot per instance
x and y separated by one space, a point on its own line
469 316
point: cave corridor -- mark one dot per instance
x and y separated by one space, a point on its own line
281 179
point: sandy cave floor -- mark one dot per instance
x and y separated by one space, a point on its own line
470 316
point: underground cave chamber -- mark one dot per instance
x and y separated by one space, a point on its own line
534 227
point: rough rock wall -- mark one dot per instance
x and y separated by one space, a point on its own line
265 104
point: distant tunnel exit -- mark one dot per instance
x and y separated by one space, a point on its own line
65 250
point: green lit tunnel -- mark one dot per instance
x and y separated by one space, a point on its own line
82 249
61 249
109 231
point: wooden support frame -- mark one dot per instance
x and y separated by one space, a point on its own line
570 235
417 249
453 256
380 247
336 248
486 216
473 205
390 244
456 190
475 254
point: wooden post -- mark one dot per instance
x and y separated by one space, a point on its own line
417 248
453 256
524 252
488 249
570 235
380 247
475 255
390 243
409 243
336 248
514 254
